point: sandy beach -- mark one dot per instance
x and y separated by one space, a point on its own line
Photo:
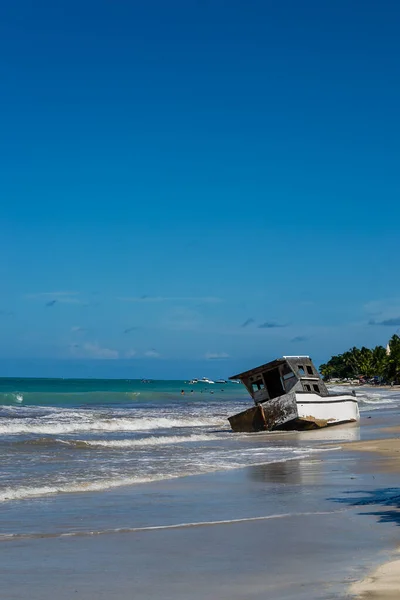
316 522
284 530
384 582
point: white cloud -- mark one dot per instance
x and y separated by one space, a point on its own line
94 350
130 353
216 355
78 329
152 354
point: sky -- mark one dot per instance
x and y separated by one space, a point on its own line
194 187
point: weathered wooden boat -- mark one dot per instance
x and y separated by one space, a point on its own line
289 393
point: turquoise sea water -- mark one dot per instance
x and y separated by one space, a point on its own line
59 436
70 392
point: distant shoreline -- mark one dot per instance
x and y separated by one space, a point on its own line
365 386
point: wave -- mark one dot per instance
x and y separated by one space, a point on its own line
75 487
148 441
25 492
19 536
377 401
371 401
213 462
11 397
106 425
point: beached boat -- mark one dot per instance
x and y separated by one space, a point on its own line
289 393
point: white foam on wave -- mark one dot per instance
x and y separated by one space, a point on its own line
375 400
315 450
188 525
367 397
25 492
226 461
341 389
107 425
42 411
15 397
150 441
378 400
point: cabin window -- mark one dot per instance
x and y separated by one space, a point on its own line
288 376
307 387
301 369
316 388
309 370
258 385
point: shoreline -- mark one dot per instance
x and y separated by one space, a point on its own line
212 554
207 535
383 583
357 386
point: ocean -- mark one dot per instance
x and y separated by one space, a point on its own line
160 481
61 436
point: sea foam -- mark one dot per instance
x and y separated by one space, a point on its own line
14 427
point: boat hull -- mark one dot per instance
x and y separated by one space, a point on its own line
297 411
328 410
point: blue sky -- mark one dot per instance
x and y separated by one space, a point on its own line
192 187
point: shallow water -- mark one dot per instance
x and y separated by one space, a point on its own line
146 495
285 530
65 436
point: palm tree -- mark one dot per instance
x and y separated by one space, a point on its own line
327 371
392 362
379 360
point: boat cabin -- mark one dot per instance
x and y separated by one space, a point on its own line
283 375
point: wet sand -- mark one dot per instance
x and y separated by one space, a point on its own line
304 529
384 582
297 538
387 449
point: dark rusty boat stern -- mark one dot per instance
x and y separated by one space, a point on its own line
266 416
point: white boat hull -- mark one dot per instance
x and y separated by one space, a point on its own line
327 410
297 410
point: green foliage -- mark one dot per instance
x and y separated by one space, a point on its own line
364 362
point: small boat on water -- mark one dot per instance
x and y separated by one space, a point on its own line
289 393
221 381
205 380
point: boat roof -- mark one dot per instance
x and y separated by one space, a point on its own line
267 366
270 365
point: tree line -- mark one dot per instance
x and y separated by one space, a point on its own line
366 362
